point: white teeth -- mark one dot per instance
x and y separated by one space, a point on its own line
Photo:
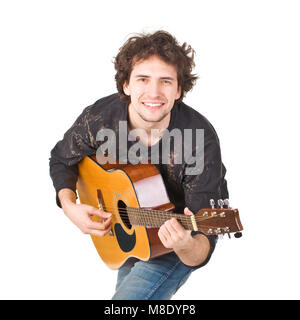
153 104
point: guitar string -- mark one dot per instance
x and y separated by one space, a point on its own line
146 222
150 217
147 212
158 219
150 221
155 213
189 226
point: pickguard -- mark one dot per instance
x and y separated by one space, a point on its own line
126 241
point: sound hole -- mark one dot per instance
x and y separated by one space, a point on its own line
123 213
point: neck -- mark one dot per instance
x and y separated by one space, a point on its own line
156 218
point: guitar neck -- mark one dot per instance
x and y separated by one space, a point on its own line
209 221
156 218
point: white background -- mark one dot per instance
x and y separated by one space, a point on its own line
56 58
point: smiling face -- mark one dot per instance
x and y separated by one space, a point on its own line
153 89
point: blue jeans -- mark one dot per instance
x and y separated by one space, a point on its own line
156 279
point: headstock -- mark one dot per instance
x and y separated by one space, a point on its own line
219 221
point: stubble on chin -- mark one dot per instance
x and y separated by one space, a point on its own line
147 119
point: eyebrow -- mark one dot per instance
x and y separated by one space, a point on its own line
146 76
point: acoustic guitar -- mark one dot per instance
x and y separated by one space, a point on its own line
136 197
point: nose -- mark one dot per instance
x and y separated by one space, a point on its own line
154 89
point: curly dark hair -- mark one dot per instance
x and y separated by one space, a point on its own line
165 46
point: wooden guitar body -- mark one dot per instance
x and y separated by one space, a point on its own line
123 186
136 197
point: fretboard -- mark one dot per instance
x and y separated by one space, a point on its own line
156 218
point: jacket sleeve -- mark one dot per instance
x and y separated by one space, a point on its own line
77 143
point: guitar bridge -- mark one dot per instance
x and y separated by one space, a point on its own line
101 207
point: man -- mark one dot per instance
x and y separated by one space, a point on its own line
153 75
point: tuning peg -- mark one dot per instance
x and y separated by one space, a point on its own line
220 203
212 203
226 202
238 234
229 235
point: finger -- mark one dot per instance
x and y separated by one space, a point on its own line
170 225
105 214
174 226
164 231
162 237
99 225
173 234
176 230
187 211
99 213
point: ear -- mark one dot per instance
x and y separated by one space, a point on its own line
126 88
